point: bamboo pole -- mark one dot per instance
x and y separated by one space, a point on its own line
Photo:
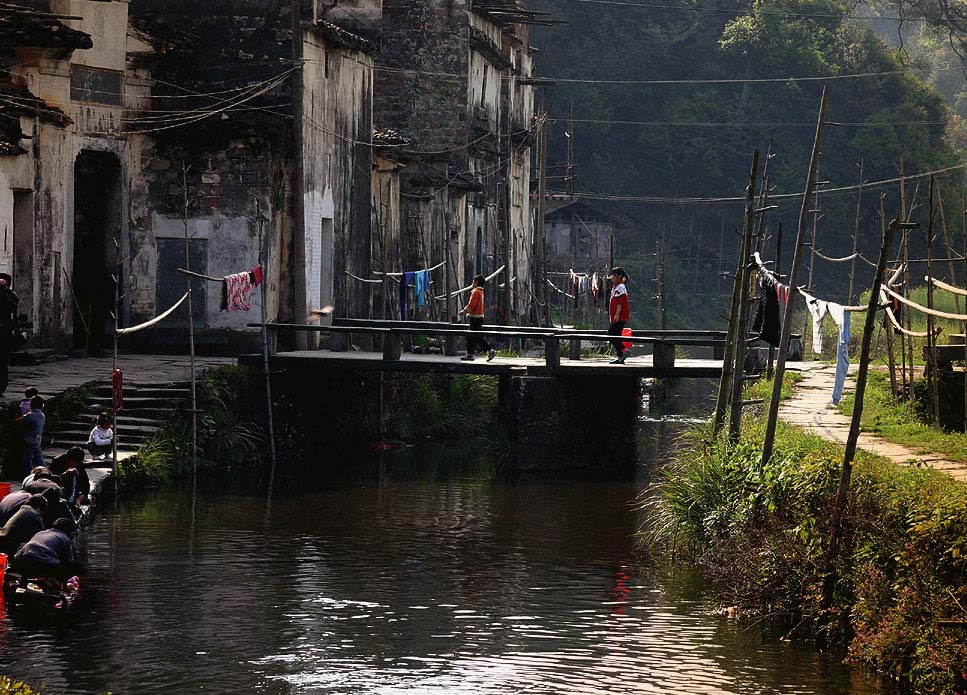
908 322
270 414
842 493
964 204
931 363
891 361
856 234
745 273
770 435
191 327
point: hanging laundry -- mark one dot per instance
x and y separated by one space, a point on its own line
767 320
841 317
897 308
421 279
236 292
594 288
782 292
258 275
404 290
817 309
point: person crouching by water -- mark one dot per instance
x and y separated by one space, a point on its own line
49 553
99 443
475 317
619 311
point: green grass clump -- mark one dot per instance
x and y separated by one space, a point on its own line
760 536
8 686
898 421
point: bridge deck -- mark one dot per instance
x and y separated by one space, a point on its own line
517 366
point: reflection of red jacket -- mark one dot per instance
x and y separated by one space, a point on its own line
619 310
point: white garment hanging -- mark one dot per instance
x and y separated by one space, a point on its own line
817 309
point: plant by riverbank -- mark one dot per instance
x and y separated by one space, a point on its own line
318 424
898 422
761 538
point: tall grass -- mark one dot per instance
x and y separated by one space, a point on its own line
760 537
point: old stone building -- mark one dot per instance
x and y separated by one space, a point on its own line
109 108
452 81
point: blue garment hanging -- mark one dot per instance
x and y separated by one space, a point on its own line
842 352
422 278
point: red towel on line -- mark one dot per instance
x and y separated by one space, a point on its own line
236 290
257 275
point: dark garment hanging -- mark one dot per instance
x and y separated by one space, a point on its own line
897 309
767 321
404 289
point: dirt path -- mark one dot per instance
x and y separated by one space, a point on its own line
812 409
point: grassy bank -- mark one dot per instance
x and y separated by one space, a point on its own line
319 424
760 537
900 423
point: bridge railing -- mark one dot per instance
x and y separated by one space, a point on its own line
392 332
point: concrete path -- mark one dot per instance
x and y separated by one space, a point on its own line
812 409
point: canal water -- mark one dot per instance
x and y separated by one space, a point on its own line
414 573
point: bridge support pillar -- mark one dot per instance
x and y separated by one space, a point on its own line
392 347
575 423
663 356
575 350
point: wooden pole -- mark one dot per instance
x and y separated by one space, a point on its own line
744 280
856 236
931 362
908 315
964 327
263 263
948 245
888 325
770 435
540 243
191 326
772 350
842 493
114 364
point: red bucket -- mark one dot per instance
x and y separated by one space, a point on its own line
4 490
626 332
3 566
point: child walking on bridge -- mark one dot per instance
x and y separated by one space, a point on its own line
619 312
475 317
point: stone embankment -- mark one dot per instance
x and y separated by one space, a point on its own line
812 409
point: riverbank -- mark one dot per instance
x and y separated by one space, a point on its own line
760 537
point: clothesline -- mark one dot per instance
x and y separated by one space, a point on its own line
399 275
945 286
559 290
926 310
470 286
896 324
156 319
835 260
775 278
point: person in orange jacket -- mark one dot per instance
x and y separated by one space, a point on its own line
475 317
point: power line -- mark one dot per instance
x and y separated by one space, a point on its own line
772 196
743 12
698 124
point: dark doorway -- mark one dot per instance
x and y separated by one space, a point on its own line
97 217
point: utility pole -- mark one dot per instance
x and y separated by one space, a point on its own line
856 234
908 318
891 360
191 327
745 271
770 435
660 282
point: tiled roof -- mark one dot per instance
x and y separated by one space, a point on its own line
341 37
23 26
16 101
384 137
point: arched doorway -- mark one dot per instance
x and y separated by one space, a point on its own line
97 223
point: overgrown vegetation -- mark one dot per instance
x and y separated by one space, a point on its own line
900 422
315 436
760 536
8 686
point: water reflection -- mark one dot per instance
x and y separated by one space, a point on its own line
406 583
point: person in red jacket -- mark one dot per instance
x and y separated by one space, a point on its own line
619 312
475 317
